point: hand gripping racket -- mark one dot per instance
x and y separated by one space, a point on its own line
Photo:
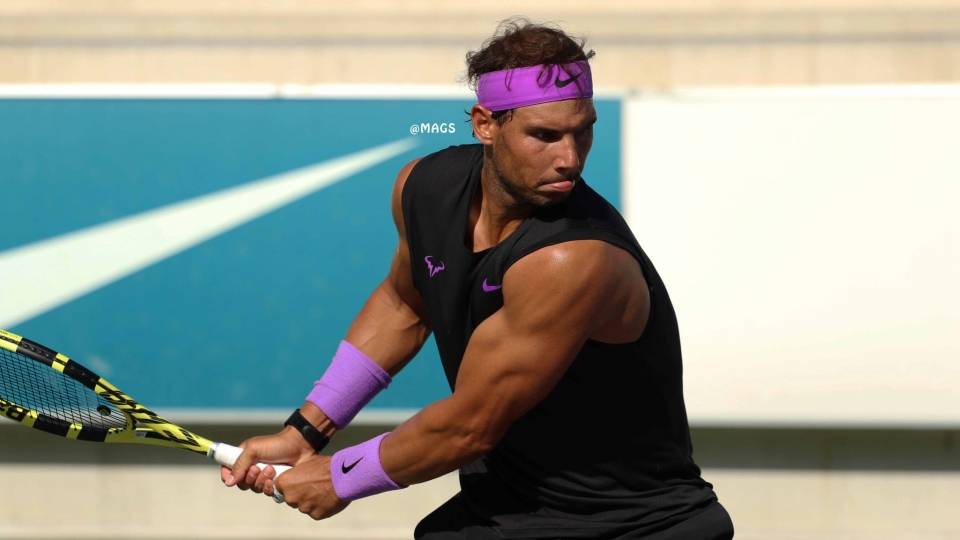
46 390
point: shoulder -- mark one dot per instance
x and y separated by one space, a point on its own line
418 178
574 259
454 156
443 158
597 287
396 198
401 181
446 160
589 268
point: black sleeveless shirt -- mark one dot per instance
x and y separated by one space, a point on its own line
608 451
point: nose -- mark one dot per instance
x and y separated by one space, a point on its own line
568 157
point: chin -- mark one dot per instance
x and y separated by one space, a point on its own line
542 200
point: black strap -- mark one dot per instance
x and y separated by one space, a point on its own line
313 436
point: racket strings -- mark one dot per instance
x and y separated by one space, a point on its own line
32 385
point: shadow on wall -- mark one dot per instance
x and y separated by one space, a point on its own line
714 448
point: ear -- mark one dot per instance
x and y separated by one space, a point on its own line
484 126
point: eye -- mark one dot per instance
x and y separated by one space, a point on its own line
546 135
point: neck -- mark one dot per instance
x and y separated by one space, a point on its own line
495 213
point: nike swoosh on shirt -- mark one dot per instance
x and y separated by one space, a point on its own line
44 275
490 288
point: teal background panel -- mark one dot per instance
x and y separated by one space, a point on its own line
248 319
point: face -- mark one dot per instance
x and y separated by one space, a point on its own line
539 153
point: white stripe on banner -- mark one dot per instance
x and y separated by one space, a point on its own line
41 276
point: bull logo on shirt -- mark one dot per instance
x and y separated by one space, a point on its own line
433 268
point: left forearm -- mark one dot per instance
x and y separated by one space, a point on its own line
499 381
439 439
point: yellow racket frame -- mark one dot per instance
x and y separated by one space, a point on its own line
143 425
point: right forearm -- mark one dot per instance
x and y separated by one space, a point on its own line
317 418
388 330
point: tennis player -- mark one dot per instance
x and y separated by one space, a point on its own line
556 334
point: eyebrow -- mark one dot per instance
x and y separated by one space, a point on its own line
582 126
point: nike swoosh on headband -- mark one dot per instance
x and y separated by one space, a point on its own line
561 84
34 277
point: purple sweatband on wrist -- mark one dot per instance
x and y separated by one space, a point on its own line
357 472
520 87
350 382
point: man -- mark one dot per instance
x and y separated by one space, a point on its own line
556 335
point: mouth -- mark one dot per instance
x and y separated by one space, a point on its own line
561 185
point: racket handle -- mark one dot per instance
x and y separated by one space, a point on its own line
226 455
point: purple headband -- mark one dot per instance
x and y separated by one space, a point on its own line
519 87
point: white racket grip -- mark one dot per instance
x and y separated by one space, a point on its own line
226 455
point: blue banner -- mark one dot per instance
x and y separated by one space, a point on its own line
211 253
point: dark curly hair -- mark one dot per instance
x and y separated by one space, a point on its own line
516 43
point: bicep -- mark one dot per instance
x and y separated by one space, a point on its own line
391 325
400 280
505 372
518 355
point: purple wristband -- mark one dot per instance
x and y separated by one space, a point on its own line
350 382
357 472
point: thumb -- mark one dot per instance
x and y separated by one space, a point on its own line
247 458
226 476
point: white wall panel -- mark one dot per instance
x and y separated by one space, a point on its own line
809 239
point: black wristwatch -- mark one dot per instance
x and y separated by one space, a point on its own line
312 435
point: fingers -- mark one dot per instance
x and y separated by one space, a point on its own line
263 478
246 474
241 467
312 498
229 480
317 513
256 478
274 485
226 476
252 474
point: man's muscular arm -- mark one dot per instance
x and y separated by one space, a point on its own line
389 330
554 300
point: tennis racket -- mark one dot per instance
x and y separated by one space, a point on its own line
46 390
